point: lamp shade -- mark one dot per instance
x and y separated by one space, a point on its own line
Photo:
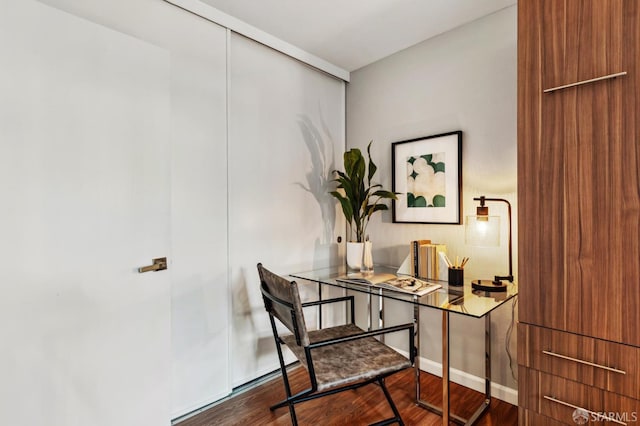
482 231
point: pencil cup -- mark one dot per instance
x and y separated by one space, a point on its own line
456 276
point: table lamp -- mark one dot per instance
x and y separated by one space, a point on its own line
484 231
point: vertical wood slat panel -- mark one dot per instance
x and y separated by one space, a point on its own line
592 133
529 92
629 202
551 21
580 39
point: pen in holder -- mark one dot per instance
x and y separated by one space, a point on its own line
456 276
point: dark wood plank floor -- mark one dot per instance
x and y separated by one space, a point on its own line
356 407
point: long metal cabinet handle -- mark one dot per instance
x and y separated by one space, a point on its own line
604 367
579 83
576 407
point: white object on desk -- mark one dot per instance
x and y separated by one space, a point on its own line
367 257
405 268
443 268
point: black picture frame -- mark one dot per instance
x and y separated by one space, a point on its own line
427 172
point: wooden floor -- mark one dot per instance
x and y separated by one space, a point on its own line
355 407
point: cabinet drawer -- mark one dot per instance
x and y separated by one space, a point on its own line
561 399
606 365
531 418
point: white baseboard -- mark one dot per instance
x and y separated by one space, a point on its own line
470 381
184 413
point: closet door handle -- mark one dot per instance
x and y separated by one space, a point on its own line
576 407
159 264
604 367
579 83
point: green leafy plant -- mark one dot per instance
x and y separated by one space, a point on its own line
359 201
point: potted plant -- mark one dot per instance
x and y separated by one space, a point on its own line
359 199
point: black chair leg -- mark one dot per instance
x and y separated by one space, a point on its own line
397 418
279 404
290 397
292 413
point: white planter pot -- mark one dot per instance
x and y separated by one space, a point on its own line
359 256
354 255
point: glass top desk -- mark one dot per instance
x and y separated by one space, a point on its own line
462 300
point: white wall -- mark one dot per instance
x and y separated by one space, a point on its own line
465 80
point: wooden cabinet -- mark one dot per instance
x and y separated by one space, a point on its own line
532 418
561 399
579 190
579 39
578 163
609 366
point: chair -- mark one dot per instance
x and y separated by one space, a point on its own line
337 358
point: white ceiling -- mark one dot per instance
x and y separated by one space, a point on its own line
355 33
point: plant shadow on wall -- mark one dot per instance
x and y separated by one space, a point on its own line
251 330
319 177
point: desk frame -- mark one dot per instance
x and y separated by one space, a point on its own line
445 410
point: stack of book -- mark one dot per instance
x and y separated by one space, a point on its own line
428 260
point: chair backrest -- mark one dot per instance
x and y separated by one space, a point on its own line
282 300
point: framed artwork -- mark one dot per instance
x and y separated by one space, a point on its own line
427 172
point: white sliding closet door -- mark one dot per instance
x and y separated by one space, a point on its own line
199 283
286 135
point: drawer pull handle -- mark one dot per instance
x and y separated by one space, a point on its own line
591 80
566 404
604 367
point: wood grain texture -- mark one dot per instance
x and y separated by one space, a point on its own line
359 407
531 418
540 173
530 254
581 40
568 394
629 203
579 206
534 340
578 168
